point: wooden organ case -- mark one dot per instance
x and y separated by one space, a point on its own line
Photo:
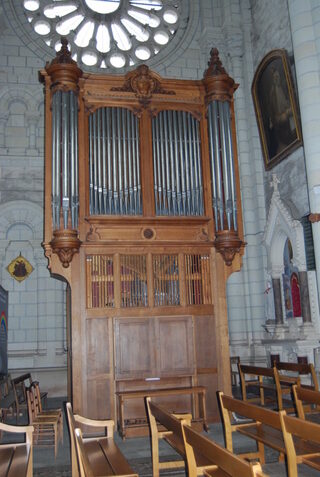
143 220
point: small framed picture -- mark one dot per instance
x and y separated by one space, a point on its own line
276 108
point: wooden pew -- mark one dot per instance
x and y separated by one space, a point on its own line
94 452
300 370
16 458
307 402
227 464
309 432
263 426
293 373
260 379
173 435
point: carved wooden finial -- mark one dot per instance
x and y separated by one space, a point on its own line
63 70
215 67
63 56
219 85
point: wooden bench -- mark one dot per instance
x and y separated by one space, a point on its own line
295 373
263 426
126 428
300 370
16 458
227 464
294 428
307 402
96 454
260 380
171 432
19 386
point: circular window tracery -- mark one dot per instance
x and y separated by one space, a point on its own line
106 33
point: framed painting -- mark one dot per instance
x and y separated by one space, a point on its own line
276 108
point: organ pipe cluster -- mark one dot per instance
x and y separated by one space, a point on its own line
65 195
178 185
114 162
224 201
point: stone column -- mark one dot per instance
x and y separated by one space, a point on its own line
32 121
304 297
304 19
3 121
276 285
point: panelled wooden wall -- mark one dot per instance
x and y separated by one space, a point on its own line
138 244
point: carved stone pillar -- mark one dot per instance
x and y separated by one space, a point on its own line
276 284
304 296
304 18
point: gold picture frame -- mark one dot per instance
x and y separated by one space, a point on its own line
276 108
20 268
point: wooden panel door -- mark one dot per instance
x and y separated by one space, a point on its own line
99 364
175 346
134 348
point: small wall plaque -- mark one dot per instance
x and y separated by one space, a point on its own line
20 268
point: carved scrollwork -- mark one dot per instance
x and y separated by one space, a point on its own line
143 83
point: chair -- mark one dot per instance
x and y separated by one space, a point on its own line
234 361
74 420
46 428
57 413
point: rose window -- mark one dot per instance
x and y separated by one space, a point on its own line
106 33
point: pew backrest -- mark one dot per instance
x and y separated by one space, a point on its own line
262 379
232 465
300 369
305 398
307 432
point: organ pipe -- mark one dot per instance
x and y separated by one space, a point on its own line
114 162
222 170
187 140
177 164
220 88
65 194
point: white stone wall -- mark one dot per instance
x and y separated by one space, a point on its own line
36 314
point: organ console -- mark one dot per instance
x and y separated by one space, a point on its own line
143 220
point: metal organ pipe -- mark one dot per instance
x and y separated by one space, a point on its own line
222 168
114 162
177 164
65 183
231 166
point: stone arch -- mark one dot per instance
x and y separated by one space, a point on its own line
21 94
19 211
280 227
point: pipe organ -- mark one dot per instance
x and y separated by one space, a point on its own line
143 220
